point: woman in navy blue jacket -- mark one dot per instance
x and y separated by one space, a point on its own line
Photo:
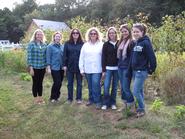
124 52
142 63
71 59
54 57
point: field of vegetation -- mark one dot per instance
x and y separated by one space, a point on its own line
21 119
164 91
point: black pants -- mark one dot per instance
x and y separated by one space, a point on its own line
37 82
57 76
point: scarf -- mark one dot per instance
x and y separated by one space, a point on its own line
123 47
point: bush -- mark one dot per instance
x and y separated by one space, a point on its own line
14 60
25 77
173 86
180 112
156 105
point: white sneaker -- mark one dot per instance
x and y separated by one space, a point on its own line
79 102
53 101
113 107
104 107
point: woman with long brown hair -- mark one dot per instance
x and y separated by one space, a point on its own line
125 46
71 59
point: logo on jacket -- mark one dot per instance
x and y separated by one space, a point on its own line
138 48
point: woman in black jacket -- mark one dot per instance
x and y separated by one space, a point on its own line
71 59
110 69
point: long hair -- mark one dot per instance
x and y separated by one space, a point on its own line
114 29
87 35
79 40
125 26
33 38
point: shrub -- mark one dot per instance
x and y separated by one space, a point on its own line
173 86
156 105
14 60
25 77
180 112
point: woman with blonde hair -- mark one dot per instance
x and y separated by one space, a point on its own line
90 65
54 57
36 60
110 68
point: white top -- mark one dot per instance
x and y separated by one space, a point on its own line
113 43
112 67
90 58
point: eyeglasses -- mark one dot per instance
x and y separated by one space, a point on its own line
75 33
93 34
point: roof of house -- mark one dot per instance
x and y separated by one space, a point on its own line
51 25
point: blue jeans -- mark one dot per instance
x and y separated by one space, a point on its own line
139 78
94 87
70 78
110 99
125 86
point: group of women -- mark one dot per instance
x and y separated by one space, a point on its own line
129 59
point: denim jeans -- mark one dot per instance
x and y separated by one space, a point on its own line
139 78
57 76
94 87
110 75
126 93
70 78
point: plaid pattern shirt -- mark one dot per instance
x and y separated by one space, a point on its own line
36 55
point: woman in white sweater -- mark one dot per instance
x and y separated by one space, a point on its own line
90 65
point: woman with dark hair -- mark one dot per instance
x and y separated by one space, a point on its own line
71 59
142 63
125 46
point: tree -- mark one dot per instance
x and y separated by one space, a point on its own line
3 29
26 7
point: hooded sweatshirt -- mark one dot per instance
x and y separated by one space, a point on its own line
143 57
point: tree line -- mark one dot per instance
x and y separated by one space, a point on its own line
14 23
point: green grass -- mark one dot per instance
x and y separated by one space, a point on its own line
20 119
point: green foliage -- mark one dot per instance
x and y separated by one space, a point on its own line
170 37
180 112
14 60
167 62
173 86
25 77
82 25
156 105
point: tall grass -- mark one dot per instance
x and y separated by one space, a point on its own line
14 60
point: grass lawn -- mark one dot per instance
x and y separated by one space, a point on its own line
21 119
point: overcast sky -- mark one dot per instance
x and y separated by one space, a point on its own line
10 3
